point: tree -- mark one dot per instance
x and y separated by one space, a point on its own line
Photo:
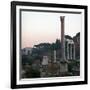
58 44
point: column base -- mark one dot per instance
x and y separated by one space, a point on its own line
63 67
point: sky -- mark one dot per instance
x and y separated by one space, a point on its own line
42 27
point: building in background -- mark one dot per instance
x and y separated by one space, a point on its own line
26 51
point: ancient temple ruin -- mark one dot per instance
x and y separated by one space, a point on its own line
67 43
60 67
58 59
70 48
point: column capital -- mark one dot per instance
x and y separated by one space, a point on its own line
62 18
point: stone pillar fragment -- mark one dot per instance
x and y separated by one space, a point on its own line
54 55
45 60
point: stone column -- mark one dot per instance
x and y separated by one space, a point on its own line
54 55
63 62
71 51
62 38
67 51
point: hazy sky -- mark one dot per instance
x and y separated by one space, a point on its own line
40 27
